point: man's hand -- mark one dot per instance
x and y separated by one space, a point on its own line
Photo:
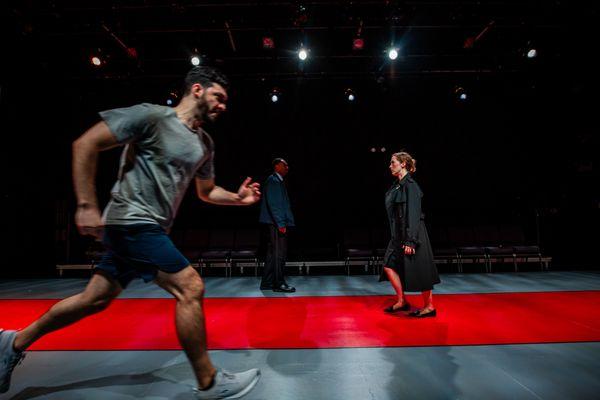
283 230
408 250
89 221
249 192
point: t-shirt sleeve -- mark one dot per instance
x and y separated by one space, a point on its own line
207 169
129 123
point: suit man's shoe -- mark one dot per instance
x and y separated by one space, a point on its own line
284 287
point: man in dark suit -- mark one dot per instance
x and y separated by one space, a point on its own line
276 214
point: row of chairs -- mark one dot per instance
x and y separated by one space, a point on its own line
485 245
220 248
240 248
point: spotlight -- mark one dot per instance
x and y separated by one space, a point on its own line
373 150
383 149
460 92
274 95
532 53
350 95
195 60
393 53
302 54
96 61
358 44
173 96
268 43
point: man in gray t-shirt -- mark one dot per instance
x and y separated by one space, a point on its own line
165 148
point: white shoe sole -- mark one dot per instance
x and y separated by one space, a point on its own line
247 389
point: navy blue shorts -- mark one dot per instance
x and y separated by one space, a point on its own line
138 251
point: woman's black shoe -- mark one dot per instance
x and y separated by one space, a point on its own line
418 314
391 309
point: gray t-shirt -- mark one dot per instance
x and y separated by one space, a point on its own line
160 158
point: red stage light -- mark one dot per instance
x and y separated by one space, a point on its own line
358 44
268 43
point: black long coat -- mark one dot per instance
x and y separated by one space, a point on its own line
407 228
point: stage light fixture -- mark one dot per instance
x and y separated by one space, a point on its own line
195 60
302 54
172 99
350 95
358 43
532 53
460 93
268 42
393 53
96 61
275 95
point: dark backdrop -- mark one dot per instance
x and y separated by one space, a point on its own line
523 144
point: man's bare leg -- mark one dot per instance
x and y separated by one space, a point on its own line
188 289
98 294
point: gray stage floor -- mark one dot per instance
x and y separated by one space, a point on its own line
535 371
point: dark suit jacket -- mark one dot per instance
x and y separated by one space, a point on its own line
275 204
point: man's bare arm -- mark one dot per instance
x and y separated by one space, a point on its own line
85 160
248 193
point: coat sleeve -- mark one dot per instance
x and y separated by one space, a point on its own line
274 199
413 217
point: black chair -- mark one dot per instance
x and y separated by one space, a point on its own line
245 250
472 254
356 248
499 254
218 254
530 253
443 250
464 239
192 243
379 241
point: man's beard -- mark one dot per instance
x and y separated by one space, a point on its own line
203 111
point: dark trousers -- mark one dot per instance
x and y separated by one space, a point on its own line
275 260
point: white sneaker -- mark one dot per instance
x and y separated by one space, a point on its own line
230 386
9 358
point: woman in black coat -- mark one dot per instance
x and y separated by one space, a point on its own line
408 261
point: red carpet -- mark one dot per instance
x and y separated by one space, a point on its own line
327 322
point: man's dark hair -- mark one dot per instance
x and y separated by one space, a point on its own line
277 161
206 76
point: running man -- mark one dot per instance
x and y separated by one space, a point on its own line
165 148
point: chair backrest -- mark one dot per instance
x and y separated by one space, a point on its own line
195 238
461 235
221 239
527 250
247 238
439 237
356 238
487 235
511 235
379 238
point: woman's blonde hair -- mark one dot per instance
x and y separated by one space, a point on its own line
404 157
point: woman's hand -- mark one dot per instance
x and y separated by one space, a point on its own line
408 250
